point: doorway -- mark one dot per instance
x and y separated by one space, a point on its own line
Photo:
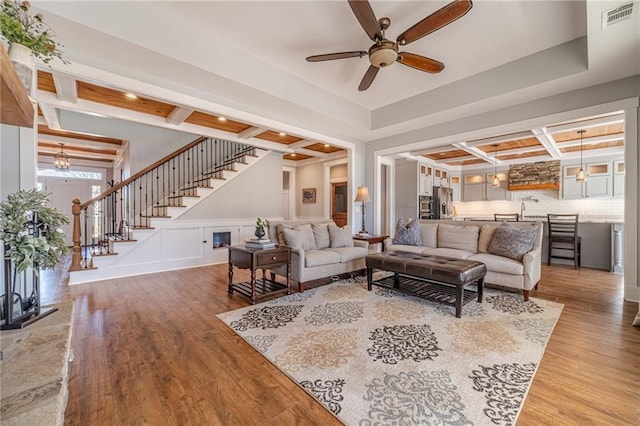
339 203
63 191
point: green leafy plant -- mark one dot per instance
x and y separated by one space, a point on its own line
21 246
19 26
262 223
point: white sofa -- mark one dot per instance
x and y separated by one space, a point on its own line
322 260
471 240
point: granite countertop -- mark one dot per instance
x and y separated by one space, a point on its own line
543 218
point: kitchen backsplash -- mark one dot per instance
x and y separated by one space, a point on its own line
548 202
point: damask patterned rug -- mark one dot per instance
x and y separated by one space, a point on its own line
381 357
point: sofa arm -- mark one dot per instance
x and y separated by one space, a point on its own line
532 263
360 243
388 242
297 264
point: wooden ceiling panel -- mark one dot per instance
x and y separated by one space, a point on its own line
447 154
272 136
116 98
45 82
212 121
587 147
325 148
590 132
515 156
77 149
466 162
296 156
44 130
514 144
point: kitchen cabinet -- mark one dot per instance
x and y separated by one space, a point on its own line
425 179
599 183
493 193
473 187
454 182
618 178
440 177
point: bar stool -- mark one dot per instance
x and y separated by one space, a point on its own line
563 235
506 217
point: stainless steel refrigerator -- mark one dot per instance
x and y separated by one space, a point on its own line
442 202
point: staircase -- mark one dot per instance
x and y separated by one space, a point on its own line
119 232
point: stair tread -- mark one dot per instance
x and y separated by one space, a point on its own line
124 241
143 227
103 254
167 205
184 196
157 216
195 187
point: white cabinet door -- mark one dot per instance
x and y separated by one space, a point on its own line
572 189
618 186
426 186
599 186
473 192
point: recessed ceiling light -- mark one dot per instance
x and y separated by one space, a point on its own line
326 145
283 134
293 154
222 119
131 96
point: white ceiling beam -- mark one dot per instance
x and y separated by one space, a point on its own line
499 139
71 152
478 153
250 132
66 87
48 160
77 142
301 144
435 150
178 115
547 142
311 152
451 159
51 117
584 124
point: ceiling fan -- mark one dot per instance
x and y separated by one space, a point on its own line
385 52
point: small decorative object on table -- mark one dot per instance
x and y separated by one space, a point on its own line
261 228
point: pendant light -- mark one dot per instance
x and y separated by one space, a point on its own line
61 160
581 176
496 180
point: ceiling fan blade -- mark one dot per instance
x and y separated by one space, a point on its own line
420 62
435 21
364 13
368 78
339 55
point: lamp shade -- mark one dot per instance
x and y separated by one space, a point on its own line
363 195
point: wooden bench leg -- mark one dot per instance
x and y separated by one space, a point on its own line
396 280
459 297
369 279
301 287
480 289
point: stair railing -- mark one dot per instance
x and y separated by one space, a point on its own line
132 203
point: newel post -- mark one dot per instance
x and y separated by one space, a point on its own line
76 255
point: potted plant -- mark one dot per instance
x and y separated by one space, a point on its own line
31 231
261 227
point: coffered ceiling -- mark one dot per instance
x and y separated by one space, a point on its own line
195 64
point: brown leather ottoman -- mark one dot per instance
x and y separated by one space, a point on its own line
436 278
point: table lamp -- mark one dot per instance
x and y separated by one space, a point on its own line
363 197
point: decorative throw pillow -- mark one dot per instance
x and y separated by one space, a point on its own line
279 231
309 240
340 237
408 232
487 232
321 234
292 238
461 237
512 242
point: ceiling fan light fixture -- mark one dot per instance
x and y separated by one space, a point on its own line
383 55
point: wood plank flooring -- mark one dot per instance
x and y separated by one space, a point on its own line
149 350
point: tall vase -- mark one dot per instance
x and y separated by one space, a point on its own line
23 63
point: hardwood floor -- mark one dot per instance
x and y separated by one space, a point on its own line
149 350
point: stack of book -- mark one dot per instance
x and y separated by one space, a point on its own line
260 244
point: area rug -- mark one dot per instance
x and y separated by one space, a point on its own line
34 370
379 357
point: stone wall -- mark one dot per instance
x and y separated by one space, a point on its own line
540 175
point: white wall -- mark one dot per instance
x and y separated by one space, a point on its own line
339 173
256 192
310 176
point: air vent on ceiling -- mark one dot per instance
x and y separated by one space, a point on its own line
619 14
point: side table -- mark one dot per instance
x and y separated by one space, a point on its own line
253 259
372 239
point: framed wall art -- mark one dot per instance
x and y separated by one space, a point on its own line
308 195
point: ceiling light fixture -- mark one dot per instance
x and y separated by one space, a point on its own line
496 180
131 96
61 160
581 176
282 134
222 119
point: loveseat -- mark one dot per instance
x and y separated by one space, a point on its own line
513 255
319 249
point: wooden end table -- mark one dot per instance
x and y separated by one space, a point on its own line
254 259
372 239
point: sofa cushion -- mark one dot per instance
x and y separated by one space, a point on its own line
310 240
321 234
280 232
348 254
461 237
408 232
487 232
499 264
340 237
294 238
429 234
446 252
512 242
320 258
404 247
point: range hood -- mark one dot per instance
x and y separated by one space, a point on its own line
535 176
